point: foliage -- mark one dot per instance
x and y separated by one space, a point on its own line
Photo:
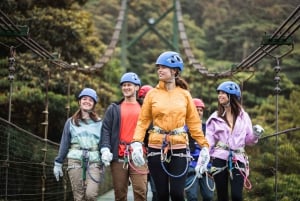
221 33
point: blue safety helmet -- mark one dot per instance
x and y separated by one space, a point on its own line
230 87
89 92
130 77
170 59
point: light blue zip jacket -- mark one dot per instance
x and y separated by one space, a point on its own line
77 138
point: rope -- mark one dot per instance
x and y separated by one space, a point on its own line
177 155
163 156
85 168
127 161
102 171
207 176
172 175
192 183
280 133
231 164
42 52
284 32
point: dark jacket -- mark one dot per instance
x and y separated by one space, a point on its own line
192 141
110 132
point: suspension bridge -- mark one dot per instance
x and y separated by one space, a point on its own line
33 160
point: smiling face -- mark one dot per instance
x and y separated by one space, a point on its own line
129 89
86 103
223 98
165 73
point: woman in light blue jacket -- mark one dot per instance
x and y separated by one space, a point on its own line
228 131
80 145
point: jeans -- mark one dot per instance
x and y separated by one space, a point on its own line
202 183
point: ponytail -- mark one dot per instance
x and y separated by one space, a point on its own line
181 83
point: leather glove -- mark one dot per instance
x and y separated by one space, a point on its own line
57 170
258 130
137 154
106 156
202 162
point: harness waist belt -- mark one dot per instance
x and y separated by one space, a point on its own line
76 146
178 154
226 147
172 132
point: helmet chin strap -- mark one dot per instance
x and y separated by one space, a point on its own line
170 80
226 106
173 77
131 96
87 111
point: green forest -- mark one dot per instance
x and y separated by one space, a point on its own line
221 33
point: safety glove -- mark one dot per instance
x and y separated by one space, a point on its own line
258 130
137 154
57 170
202 162
106 156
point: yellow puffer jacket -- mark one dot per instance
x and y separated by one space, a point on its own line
169 110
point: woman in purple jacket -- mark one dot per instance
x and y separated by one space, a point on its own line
228 131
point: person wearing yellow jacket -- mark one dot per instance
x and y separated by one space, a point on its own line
170 107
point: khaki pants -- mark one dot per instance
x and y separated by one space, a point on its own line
88 191
138 179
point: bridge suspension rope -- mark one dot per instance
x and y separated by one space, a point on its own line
282 36
8 25
115 38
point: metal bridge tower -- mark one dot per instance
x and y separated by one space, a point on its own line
151 27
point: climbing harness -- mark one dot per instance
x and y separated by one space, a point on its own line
167 148
127 161
232 163
176 131
85 164
207 176
190 184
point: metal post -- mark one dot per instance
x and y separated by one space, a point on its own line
124 41
11 71
277 91
277 41
175 28
45 124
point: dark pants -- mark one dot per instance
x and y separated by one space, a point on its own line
168 186
153 188
222 178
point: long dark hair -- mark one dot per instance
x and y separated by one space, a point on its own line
236 108
180 81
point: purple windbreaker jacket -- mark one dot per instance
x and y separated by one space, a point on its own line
217 130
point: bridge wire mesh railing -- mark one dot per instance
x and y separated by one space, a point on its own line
25 172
